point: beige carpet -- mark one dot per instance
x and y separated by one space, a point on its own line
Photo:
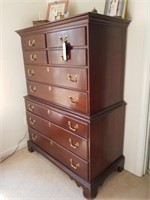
30 176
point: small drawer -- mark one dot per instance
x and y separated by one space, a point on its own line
74 37
69 123
68 98
64 77
35 57
63 137
33 42
75 57
70 160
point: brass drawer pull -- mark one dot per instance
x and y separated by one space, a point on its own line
72 78
75 146
31 43
74 101
32 88
74 166
33 57
30 107
32 121
34 137
65 39
30 72
75 128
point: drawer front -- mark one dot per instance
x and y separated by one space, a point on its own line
68 98
63 137
75 37
75 57
33 42
35 57
71 161
66 77
59 119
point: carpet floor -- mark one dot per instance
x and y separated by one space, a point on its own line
30 176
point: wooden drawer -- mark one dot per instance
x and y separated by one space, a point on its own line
59 119
63 137
66 77
68 98
74 36
70 160
33 41
35 57
76 57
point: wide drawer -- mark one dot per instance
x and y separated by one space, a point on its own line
66 77
74 36
63 137
59 119
75 57
33 41
68 98
71 161
35 57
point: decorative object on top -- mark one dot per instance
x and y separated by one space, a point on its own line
115 8
39 22
57 10
94 10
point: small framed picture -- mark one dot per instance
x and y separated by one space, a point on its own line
56 10
115 8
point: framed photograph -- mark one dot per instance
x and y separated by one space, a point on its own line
115 8
56 9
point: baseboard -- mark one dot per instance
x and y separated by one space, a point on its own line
9 151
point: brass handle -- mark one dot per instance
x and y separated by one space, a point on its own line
73 165
33 57
30 72
72 78
32 88
74 101
34 137
31 43
31 107
75 146
32 121
65 39
73 128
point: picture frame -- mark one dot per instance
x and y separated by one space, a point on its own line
56 10
115 8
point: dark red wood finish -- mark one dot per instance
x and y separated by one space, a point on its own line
67 139
75 107
76 164
74 37
58 117
68 98
63 77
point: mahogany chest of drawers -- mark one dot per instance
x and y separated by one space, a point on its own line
75 110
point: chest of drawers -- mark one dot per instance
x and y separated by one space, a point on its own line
75 110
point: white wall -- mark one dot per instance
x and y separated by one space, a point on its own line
136 85
14 15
